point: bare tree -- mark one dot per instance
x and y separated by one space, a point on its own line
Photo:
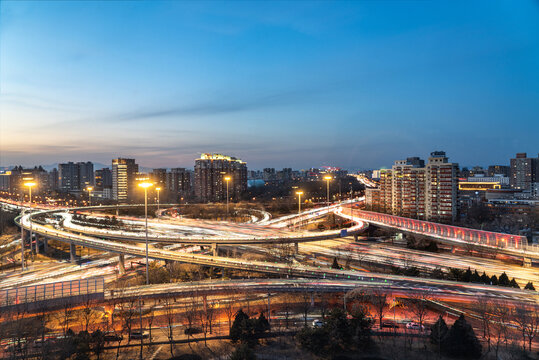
87 315
150 317
64 316
230 306
323 304
418 305
128 311
191 312
378 299
484 308
168 313
499 325
305 304
527 319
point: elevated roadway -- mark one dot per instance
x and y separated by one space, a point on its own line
438 288
499 243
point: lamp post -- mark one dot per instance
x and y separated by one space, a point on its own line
227 179
29 185
299 193
145 186
90 189
158 190
328 179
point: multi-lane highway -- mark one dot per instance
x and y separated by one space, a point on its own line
399 284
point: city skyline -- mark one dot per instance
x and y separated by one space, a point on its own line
353 85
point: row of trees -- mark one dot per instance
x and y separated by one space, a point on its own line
107 221
474 277
348 322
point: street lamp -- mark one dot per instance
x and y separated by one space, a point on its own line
90 189
299 193
328 179
145 186
227 179
29 184
158 190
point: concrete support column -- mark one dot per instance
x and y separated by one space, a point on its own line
37 243
45 245
356 237
215 251
527 262
72 252
296 248
121 264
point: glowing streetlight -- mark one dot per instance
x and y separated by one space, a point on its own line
299 193
328 179
30 185
158 190
89 189
227 179
145 186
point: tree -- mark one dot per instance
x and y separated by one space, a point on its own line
305 303
127 312
243 352
378 299
514 284
418 305
529 286
87 315
98 343
527 319
467 276
503 280
239 326
170 317
248 330
438 332
475 277
461 340
315 339
261 325
499 327
232 298
485 279
494 280
484 308
335 264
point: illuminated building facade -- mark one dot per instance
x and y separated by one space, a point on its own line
124 174
210 173
524 171
411 189
75 176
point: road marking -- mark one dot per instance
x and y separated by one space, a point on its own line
156 352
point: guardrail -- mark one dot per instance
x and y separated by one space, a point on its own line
50 291
448 232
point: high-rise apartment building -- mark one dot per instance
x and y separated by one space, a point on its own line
159 178
411 189
524 171
178 184
103 179
124 173
75 176
210 173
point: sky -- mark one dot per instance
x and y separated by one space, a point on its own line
353 84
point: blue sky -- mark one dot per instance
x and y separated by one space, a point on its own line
279 84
